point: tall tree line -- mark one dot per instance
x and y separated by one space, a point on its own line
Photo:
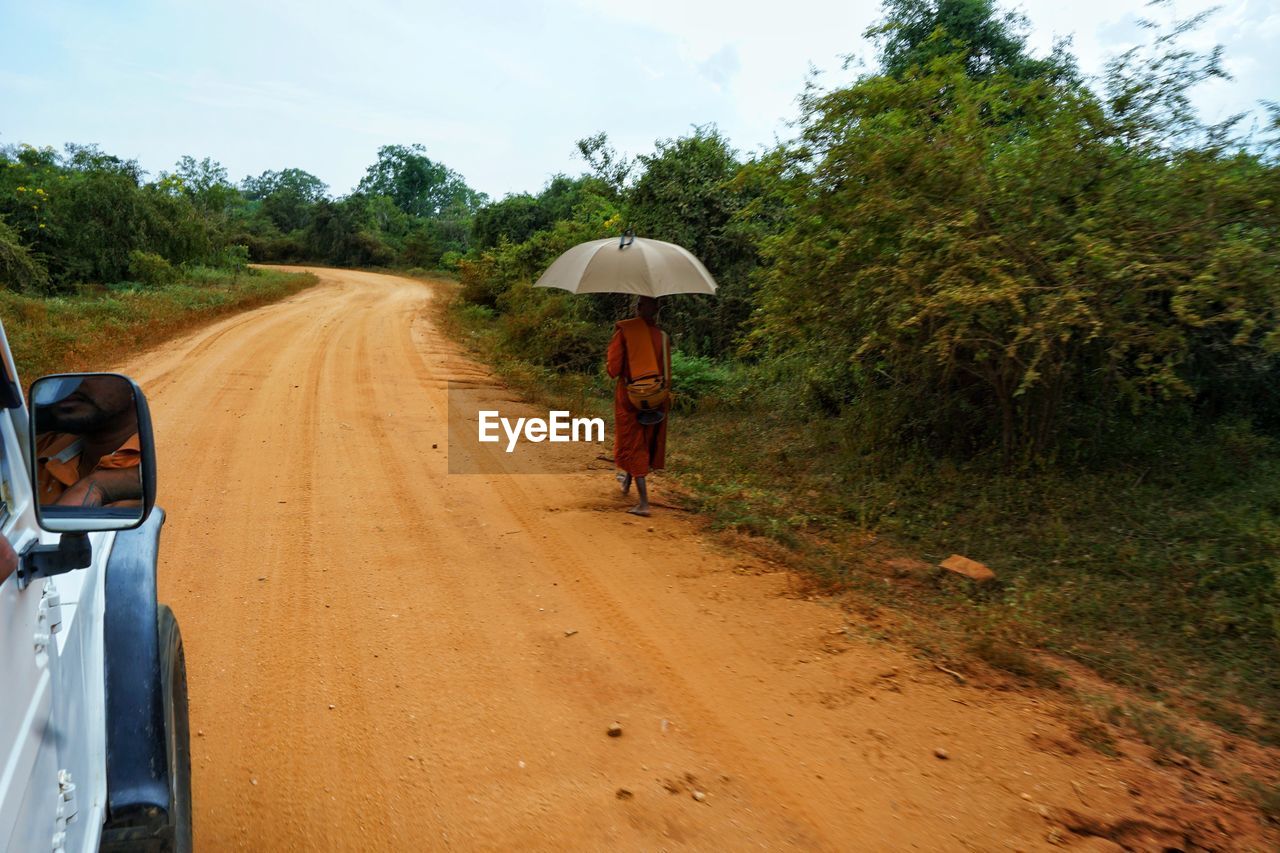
81 216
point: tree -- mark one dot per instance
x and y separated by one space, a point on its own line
18 270
296 182
84 214
685 194
915 32
90 158
605 162
422 248
205 182
563 196
1148 88
1014 267
417 184
515 218
343 233
519 217
287 196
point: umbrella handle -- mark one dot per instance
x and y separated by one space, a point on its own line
628 237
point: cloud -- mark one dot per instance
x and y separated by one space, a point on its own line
721 67
497 91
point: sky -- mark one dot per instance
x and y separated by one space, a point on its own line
497 91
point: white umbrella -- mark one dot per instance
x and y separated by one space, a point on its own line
630 265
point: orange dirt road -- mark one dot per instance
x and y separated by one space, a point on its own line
380 653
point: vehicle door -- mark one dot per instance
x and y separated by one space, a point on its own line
29 790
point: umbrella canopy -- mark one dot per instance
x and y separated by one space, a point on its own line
630 265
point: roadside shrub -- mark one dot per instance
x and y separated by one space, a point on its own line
18 270
694 378
474 314
479 284
150 269
1018 261
366 249
287 248
546 329
200 274
234 257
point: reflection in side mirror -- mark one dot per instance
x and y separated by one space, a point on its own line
93 457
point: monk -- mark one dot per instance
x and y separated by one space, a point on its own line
639 439
87 450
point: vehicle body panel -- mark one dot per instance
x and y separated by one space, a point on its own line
51 712
30 761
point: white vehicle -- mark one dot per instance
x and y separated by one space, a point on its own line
94 750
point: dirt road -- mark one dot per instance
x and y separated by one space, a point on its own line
381 655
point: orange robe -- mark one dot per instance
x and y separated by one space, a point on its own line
637 448
58 461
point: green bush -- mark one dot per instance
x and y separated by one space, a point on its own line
272 248
694 378
18 270
480 284
150 269
474 314
1021 265
234 257
546 329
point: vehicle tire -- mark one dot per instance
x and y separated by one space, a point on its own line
173 682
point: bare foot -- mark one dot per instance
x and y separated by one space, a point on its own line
624 480
638 509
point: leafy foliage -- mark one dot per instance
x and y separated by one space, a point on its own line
18 270
418 185
606 164
913 33
696 378
151 269
86 216
998 259
285 197
687 194
82 214
515 218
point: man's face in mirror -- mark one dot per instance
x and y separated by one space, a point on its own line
99 403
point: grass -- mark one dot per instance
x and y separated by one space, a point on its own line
1157 570
1266 797
99 325
1013 660
1160 731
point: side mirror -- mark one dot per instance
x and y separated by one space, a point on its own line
93 459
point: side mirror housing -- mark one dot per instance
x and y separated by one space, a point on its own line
93 460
